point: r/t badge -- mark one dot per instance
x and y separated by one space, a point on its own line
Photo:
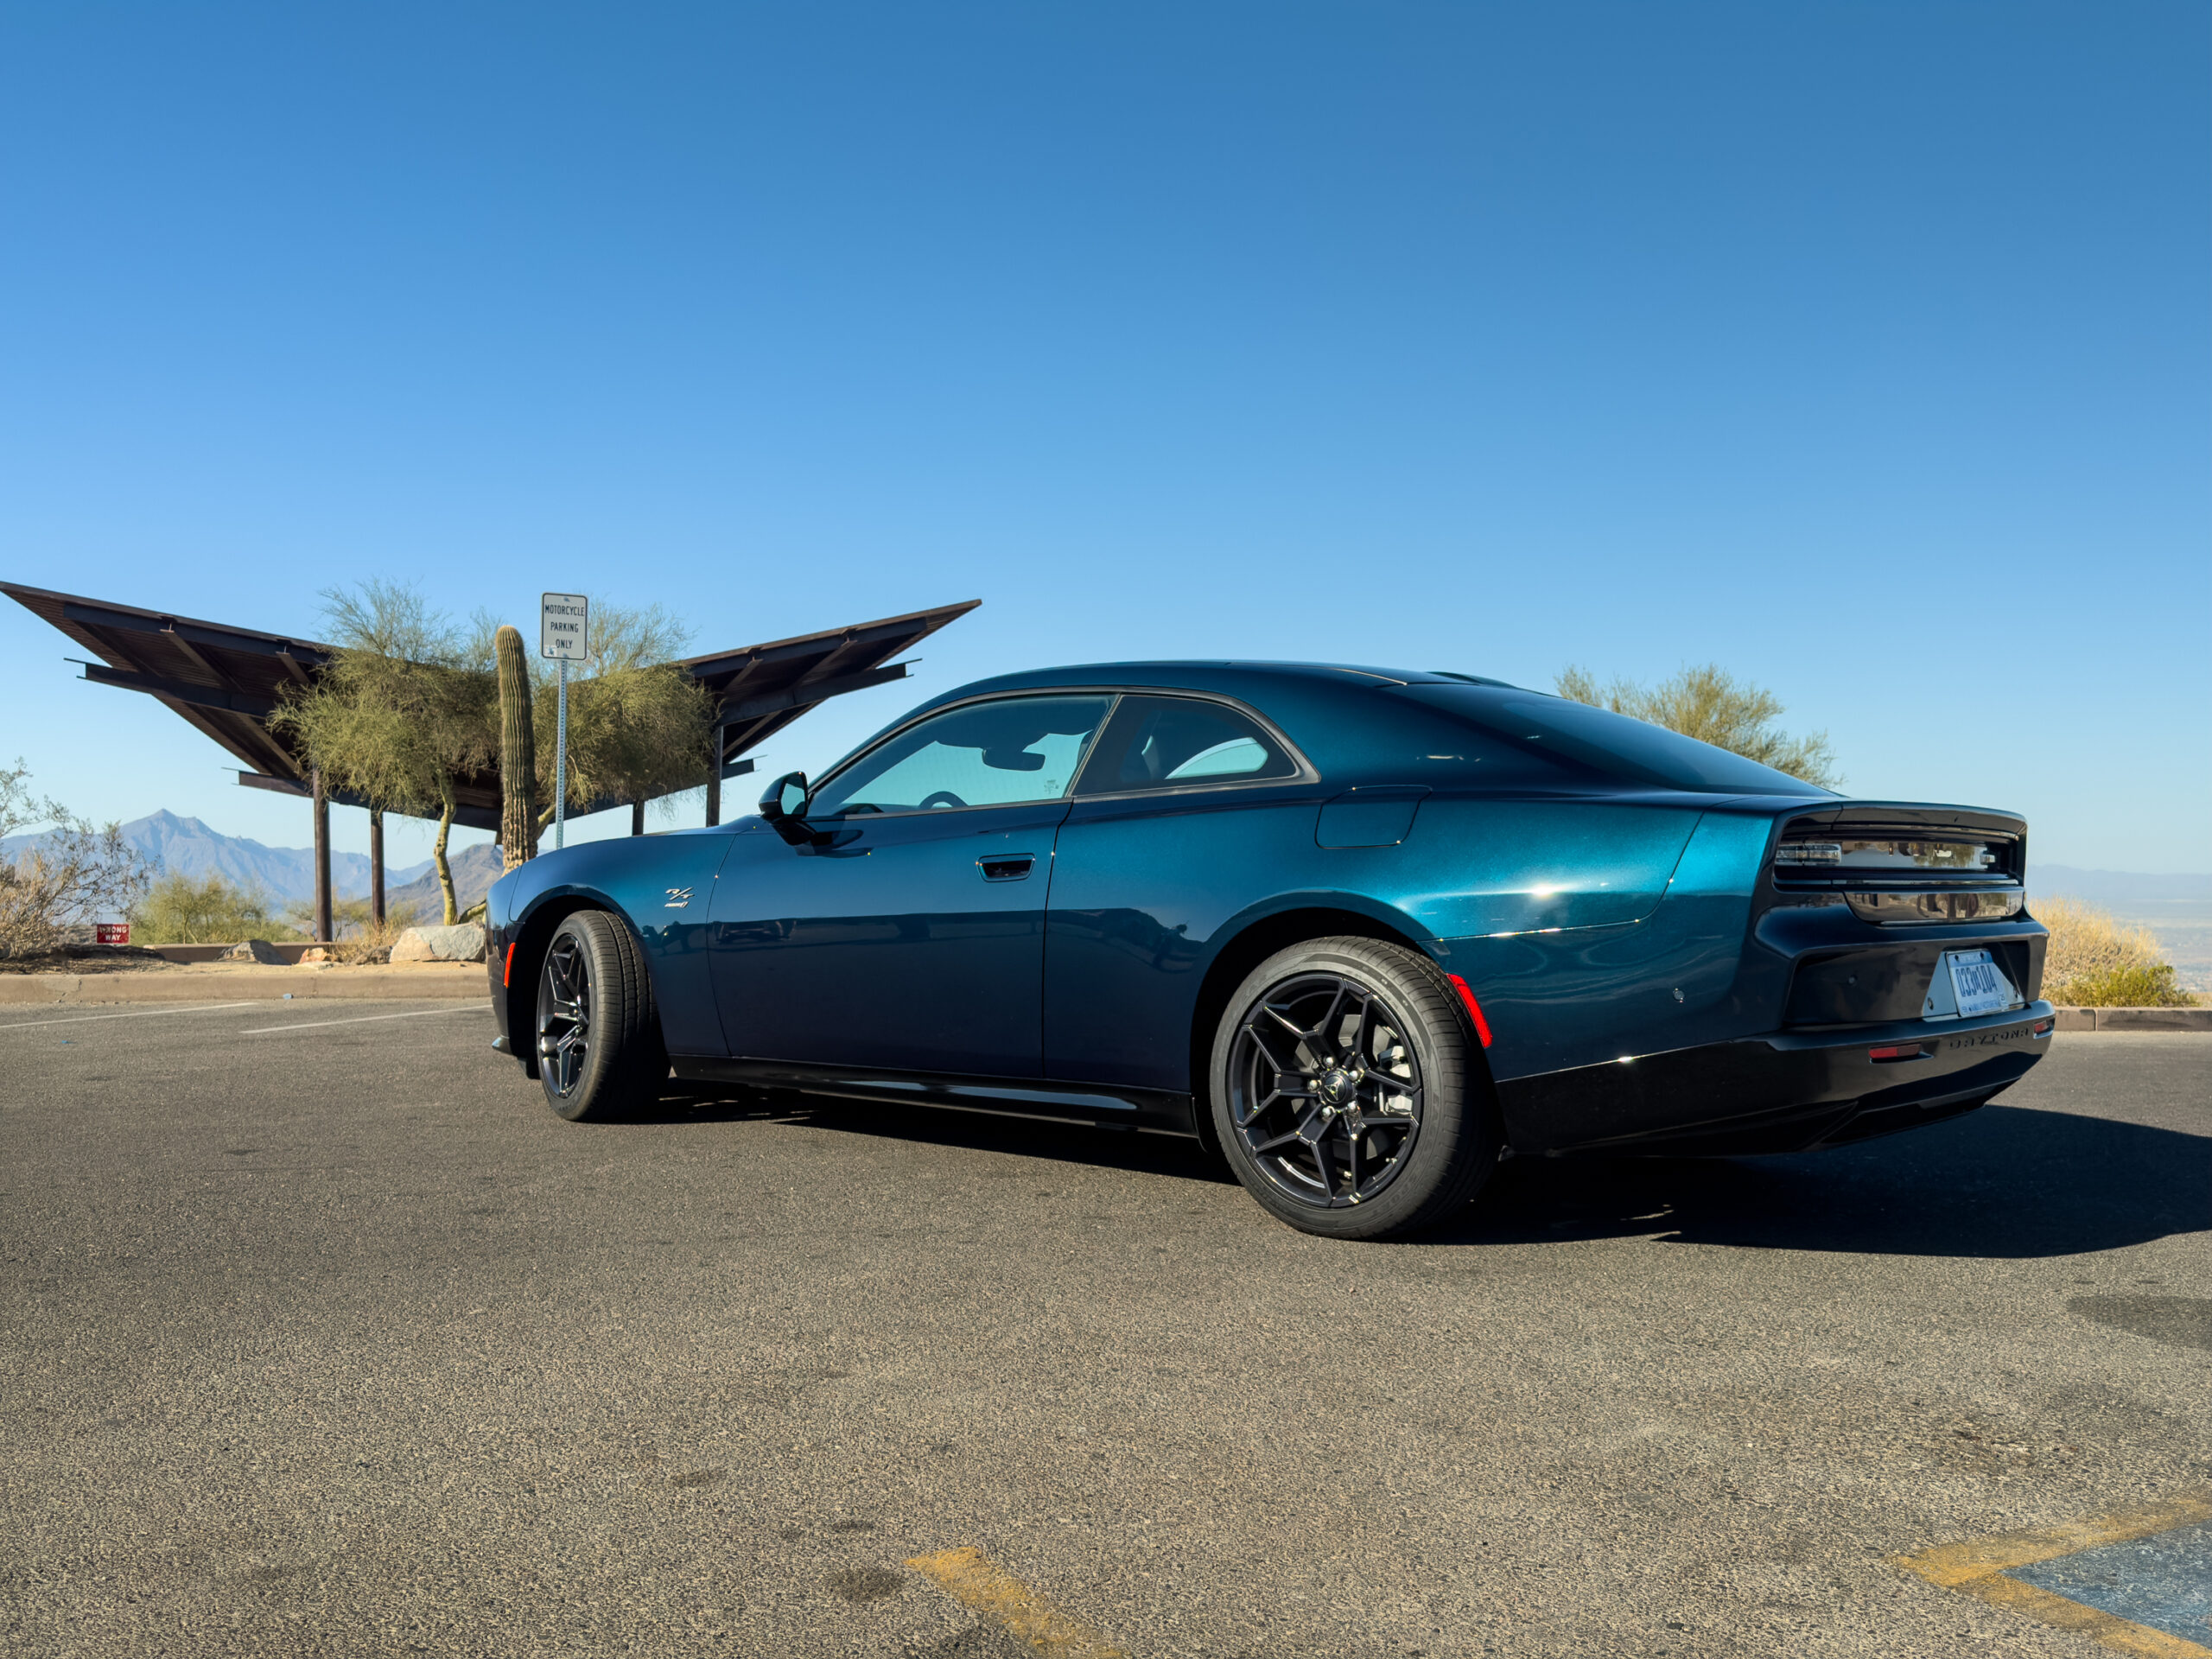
677 898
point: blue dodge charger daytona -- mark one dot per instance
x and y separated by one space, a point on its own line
1361 933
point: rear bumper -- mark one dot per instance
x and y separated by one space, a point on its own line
1787 1091
495 964
495 967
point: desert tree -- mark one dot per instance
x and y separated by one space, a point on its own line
205 909
1712 705
404 708
71 875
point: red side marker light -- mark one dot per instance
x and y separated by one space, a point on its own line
1474 1008
507 973
2042 1028
1897 1052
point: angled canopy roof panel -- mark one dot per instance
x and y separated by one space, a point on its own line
225 680
764 689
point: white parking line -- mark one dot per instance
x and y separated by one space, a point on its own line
367 1019
136 1013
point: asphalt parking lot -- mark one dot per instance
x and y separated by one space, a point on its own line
322 1336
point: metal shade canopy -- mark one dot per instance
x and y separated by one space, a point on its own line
226 680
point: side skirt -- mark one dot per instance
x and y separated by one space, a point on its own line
1152 1110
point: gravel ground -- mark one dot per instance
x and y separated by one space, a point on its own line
330 1339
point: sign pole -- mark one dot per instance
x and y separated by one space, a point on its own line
561 764
563 634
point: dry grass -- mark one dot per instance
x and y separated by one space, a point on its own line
360 941
2095 961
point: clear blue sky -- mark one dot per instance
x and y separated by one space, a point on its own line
1862 349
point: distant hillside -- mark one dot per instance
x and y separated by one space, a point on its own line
2125 890
2177 908
283 873
474 870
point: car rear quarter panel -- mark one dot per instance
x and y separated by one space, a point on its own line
1145 900
1476 866
1685 972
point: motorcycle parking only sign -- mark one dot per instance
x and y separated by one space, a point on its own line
563 630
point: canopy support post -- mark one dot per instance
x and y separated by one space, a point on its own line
321 858
376 867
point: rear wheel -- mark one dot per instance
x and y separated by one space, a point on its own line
599 1053
1343 1094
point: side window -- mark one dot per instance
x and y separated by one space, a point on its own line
1177 743
987 754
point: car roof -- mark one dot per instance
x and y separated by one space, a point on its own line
1228 676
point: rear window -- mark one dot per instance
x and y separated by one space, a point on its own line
1613 744
1157 742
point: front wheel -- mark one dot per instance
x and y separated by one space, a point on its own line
599 1053
1346 1091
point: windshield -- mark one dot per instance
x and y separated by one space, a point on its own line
1610 743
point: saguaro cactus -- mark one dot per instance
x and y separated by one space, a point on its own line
517 754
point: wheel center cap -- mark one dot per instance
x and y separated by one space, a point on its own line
1336 1086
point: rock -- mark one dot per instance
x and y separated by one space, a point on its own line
317 953
463 942
259 950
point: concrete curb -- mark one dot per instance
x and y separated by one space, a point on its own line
2134 1019
224 982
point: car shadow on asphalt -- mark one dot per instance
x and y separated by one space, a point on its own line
2001 1182
1074 1143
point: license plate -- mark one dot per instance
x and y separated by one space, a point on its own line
1978 984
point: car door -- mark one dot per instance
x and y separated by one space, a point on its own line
905 931
1189 809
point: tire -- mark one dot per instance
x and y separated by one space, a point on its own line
599 1053
1303 1063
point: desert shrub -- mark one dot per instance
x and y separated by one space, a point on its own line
351 919
76 873
358 938
2094 962
179 908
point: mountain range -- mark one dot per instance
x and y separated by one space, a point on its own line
286 875
474 869
282 873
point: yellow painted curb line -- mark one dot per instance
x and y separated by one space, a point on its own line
973 1580
1977 1568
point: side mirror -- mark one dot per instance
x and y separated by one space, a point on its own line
785 798
784 806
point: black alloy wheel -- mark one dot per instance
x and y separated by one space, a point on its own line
1324 1091
599 1053
1341 1092
564 1016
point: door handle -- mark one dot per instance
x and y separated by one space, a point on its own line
1006 866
